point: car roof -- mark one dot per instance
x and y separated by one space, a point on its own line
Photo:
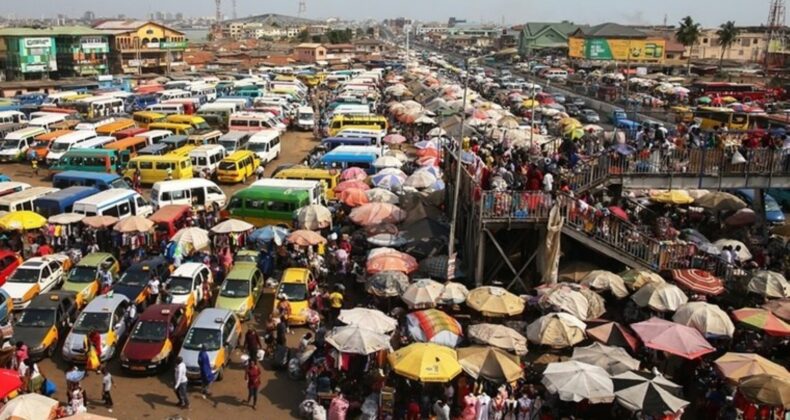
207 318
295 275
146 265
50 300
187 269
160 312
242 271
105 303
93 259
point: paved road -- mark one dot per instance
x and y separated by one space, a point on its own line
152 397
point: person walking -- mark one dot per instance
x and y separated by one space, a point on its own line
252 374
252 342
181 383
153 290
106 387
335 305
206 374
259 171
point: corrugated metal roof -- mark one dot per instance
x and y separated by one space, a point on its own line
121 24
51 31
612 30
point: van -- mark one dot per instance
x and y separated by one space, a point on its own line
12 117
239 104
331 143
254 121
104 107
173 94
197 123
155 168
351 109
166 109
556 74
97 142
93 123
61 201
23 200
329 178
205 137
89 160
120 203
115 126
129 132
158 149
10 128
143 118
175 142
47 121
207 158
155 136
67 142
234 140
57 98
127 148
263 206
237 167
180 129
10 187
343 157
102 181
197 192
219 112
377 135
190 105
168 220
371 122
313 188
305 118
44 141
207 91
265 144
16 143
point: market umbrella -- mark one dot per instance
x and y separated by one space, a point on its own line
375 213
9 382
423 293
134 224
195 237
596 303
618 212
613 334
387 181
339 188
65 218
453 293
720 201
353 174
576 381
575 271
766 389
499 336
387 284
270 233
314 217
769 284
420 179
394 139
29 407
305 237
614 360
392 171
698 239
662 297
354 197
563 298
779 307
672 197
494 301
426 144
429 161
636 278
387 162
392 262
434 326
22 220
425 362
380 195
99 222
436 267
437 132
606 280
762 319
372 319
397 154
357 339
743 252
742 217
708 319
648 393
698 281
680 340
736 366
490 363
557 330
232 226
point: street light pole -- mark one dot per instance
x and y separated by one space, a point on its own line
457 186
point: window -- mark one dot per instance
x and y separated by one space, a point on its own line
111 211
277 206
45 273
745 42
214 190
228 329
146 165
54 266
754 41
164 165
704 40
141 202
254 204
184 164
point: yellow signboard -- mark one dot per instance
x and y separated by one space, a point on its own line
636 50
576 47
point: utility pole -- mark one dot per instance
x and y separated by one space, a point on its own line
451 257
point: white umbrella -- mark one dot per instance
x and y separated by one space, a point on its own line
65 218
498 335
423 293
387 162
398 154
557 330
232 226
606 280
372 319
453 293
314 217
420 179
613 359
436 132
661 297
576 381
357 340
743 253
708 319
563 298
380 195
195 237
769 284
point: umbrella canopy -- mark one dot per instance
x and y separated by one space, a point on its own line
423 293
766 390
672 338
614 360
635 278
708 319
769 284
556 330
575 271
736 366
672 197
9 382
742 251
494 301
99 222
649 393
22 220
490 363
762 319
387 284
356 339
65 218
563 298
339 188
376 213
197 238
392 261
387 181
742 217
606 280
398 154
134 224
232 226
437 131
420 179
660 297
782 230
353 174
434 326
499 336
315 216
29 407
387 162
720 201
614 334
779 307
372 319
425 362
394 139
270 233
354 197
305 237
699 281
576 381
380 195
453 293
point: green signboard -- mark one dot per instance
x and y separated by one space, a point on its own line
37 55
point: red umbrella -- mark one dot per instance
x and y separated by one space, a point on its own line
9 382
394 139
763 320
353 174
698 281
345 185
614 334
429 152
672 338
619 213
354 197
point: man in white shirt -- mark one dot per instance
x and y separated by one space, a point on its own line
181 383
548 182
153 290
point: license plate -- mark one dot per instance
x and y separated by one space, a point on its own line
137 368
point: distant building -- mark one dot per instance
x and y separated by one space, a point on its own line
537 36
368 46
750 46
309 53
615 42
430 29
143 46
293 31
317 29
88 16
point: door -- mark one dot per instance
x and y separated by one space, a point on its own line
45 279
57 272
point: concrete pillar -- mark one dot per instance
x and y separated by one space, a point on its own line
480 260
540 262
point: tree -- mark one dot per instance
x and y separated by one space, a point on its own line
688 34
727 34
303 36
360 32
371 32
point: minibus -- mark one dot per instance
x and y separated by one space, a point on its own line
89 160
219 112
94 123
127 148
120 203
237 167
377 135
197 122
155 136
115 126
66 142
314 188
328 177
62 201
254 121
44 141
343 157
97 142
102 181
332 142
143 118
181 129
173 94
47 121
10 128
16 143
190 105
23 200
129 132
57 98
10 187
166 109
239 104
197 192
233 141
12 117
205 137
207 158
104 107
263 206
205 90
158 149
371 122
155 168
265 144
305 118
168 220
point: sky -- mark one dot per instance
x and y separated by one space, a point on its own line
709 12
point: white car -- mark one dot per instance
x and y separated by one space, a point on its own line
35 276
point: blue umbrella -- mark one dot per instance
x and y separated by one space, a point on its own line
387 181
624 149
438 185
468 157
269 233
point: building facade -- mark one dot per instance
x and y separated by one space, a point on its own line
144 46
614 42
750 46
540 36
309 53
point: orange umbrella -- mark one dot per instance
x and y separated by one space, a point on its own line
429 161
436 153
377 213
762 319
392 261
305 238
345 185
354 197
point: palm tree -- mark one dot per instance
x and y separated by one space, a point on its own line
688 34
727 33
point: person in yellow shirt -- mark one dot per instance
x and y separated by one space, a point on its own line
335 305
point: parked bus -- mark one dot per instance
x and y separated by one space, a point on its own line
102 181
120 203
263 206
16 143
66 142
23 200
127 148
329 178
254 121
742 92
198 193
370 122
115 126
61 201
712 117
88 160
144 118
159 168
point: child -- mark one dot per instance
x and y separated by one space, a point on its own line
106 386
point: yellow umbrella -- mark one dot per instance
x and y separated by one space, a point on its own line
729 100
425 362
672 197
766 389
529 103
494 301
490 363
22 220
736 366
635 278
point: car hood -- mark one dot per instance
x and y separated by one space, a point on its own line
31 336
129 291
75 341
18 290
231 303
142 350
75 287
191 357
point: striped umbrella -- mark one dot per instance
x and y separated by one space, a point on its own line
698 281
651 394
762 319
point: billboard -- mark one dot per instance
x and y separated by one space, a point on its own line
37 55
94 44
637 50
576 47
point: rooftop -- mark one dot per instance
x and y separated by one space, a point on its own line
121 24
51 31
610 30
308 45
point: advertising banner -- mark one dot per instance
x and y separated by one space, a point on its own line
94 43
649 50
37 55
576 47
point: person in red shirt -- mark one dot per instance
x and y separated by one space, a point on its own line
413 411
44 249
253 376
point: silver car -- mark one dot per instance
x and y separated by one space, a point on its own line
219 330
107 315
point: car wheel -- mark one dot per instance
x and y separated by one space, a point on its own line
51 350
220 374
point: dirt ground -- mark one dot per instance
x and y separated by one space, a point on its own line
153 397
